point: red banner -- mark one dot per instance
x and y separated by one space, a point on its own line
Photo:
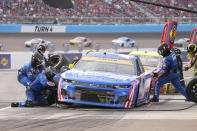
193 36
169 33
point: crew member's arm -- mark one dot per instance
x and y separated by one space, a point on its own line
192 63
22 76
163 69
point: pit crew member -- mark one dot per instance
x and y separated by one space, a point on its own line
180 65
168 72
192 54
26 76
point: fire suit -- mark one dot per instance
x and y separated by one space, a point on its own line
28 76
193 62
168 72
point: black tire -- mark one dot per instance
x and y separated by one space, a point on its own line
50 96
191 90
57 61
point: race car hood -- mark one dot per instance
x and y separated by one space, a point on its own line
106 78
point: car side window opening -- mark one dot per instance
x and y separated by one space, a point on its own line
140 67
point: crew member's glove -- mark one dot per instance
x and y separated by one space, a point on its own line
28 86
155 74
186 68
50 83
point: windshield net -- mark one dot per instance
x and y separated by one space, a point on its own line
88 65
151 61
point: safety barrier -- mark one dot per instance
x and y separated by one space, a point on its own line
57 28
14 60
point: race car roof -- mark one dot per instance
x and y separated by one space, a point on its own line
110 55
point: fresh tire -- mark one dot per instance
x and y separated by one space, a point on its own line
57 61
191 90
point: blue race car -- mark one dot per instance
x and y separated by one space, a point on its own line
124 42
102 79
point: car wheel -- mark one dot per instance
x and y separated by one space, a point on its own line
50 96
27 45
191 90
58 61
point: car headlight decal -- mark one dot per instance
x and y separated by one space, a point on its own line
131 95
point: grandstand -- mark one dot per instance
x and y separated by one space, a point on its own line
95 12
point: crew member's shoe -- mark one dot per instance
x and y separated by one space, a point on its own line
154 100
188 100
14 104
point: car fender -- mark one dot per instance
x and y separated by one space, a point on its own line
143 88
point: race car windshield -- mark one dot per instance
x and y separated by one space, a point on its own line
151 61
105 66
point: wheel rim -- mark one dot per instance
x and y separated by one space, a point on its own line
194 90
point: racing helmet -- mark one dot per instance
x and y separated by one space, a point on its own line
50 73
191 48
41 48
36 59
177 51
163 50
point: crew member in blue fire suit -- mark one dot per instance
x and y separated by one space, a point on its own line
168 72
26 76
34 93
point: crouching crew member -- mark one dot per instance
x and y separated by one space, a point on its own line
43 82
27 74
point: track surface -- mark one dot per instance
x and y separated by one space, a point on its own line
85 118
15 41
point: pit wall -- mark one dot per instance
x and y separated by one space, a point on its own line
15 60
57 28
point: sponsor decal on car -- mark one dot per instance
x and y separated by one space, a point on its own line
102 59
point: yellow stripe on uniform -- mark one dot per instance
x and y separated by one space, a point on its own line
102 59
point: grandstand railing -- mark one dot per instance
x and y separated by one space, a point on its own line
93 21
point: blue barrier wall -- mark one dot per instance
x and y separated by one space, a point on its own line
91 28
10 28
